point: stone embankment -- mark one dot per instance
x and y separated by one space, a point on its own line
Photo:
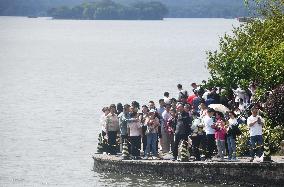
242 172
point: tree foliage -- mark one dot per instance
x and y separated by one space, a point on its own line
275 105
108 9
255 52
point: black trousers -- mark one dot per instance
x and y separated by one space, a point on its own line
178 138
210 140
196 142
135 145
112 149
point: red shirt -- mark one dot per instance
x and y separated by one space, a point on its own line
190 99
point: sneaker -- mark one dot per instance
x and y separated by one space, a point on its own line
145 158
235 160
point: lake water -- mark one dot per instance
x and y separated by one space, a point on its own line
56 75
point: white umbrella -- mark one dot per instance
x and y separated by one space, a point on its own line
219 108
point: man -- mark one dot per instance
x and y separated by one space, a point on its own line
165 143
182 128
196 101
161 108
210 133
255 123
123 119
198 88
182 95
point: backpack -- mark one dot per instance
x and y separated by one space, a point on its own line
237 130
184 96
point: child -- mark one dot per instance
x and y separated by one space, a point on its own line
220 135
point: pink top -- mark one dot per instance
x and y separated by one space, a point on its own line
220 130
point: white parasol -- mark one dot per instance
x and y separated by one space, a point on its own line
219 108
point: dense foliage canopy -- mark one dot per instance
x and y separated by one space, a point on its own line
108 9
255 52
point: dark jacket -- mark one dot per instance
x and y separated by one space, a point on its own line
183 125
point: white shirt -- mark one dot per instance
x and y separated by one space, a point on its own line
239 94
242 107
208 121
167 100
205 95
256 129
134 128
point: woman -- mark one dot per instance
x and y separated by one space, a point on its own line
142 118
152 123
105 111
134 131
112 128
169 128
231 136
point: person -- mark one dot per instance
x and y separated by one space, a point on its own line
231 136
134 130
142 119
220 134
188 109
174 103
239 93
151 105
202 109
105 111
255 123
210 133
123 120
191 97
196 102
197 136
135 105
182 128
152 129
198 88
165 143
242 105
182 94
170 126
167 99
161 108
119 108
112 128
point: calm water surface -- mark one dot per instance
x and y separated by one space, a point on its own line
56 75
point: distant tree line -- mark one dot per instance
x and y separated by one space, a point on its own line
177 8
109 10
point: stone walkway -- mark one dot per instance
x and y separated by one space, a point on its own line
167 158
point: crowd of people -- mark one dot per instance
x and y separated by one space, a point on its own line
158 130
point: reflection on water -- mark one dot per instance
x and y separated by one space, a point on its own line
143 180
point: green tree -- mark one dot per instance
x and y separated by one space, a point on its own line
255 52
